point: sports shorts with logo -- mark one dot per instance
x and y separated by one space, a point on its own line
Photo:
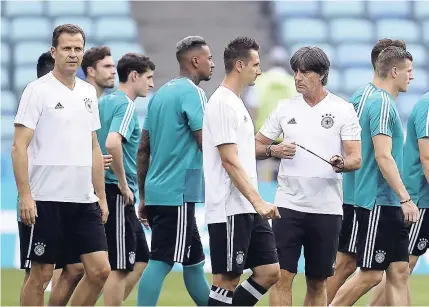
419 234
65 230
349 230
317 233
382 237
120 230
244 241
175 235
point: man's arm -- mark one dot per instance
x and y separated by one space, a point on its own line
198 135
424 155
264 149
143 158
353 157
98 176
114 147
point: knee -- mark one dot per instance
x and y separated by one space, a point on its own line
400 274
285 279
74 271
316 285
371 278
99 274
273 275
41 274
346 268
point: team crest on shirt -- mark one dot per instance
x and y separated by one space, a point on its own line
88 104
39 249
327 121
239 258
380 256
132 257
422 244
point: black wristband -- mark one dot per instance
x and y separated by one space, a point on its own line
405 201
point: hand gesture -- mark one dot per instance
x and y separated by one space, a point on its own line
337 163
127 193
283 150
107 161
267 210
411 212
143 214
27 209
104 210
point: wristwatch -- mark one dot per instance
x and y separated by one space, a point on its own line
268 151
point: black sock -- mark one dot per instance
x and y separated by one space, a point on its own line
248 293
219 297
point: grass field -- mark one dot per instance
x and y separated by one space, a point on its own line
174 292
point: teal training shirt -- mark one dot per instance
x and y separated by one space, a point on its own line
358 99
379 116
417 128
118 114
175 172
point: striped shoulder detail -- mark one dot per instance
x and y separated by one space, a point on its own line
201 93
367 92
384 113
126 120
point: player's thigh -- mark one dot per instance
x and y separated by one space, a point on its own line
289 233
229 244
349 230
419 234
262 247
321 244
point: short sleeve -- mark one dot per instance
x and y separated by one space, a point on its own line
351 130
272 128
421 123
382 116
193 105
123 120
223 123
95 120
30 108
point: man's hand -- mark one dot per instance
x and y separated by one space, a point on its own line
104 210
127 193
267 210
337 163
27 209
107 161
283 150
143 214
411 212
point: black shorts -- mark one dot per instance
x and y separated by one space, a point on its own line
317 233
382 237
63 229
24 232
419 234
349 230
175 235
244 241
142 249
120 230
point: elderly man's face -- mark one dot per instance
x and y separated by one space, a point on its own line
307 81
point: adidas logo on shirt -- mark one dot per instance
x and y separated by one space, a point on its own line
292 121
59 106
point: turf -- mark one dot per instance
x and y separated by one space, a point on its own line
174 292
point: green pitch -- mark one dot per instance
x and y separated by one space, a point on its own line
174 292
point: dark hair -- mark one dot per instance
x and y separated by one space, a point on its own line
92 56
45 64
389 58
238 49
66 28
187 44
312 59
383 44
133 61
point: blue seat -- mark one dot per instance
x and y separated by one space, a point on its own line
296 8
7 126
421 9
85 23
5 28
34 28
116 28
19 8
405 103
102 8
425 27
351 30
24 75
5 84
68 8
334 80
419 54
420 82
5 53
29 52
353 78
9 103
343 8
304 29
354 55
327 48
382 9
398 29
119 48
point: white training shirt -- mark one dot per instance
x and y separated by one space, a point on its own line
307 183
60 154
226 121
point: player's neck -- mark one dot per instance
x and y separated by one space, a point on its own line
68 80
127 90
233 84
314 98
186 73
98 88
388 86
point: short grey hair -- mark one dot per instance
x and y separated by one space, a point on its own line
389 58
313 59
188 43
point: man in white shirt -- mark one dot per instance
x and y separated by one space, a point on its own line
240 237
309 193
57 164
